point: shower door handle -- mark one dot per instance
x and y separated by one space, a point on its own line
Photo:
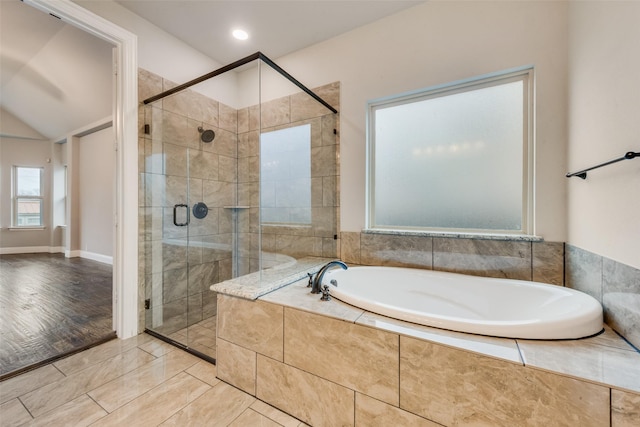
175 212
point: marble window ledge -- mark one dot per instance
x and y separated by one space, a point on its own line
605 359
453 235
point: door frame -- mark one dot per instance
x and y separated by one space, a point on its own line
125 118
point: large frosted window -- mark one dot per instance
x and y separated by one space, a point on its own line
27 197
452 159
285 176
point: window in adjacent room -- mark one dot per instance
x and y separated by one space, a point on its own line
27 197
456 158
285 176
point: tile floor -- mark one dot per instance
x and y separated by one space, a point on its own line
140 381
200 336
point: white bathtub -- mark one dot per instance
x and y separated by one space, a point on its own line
477 305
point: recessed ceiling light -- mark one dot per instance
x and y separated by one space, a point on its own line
240 34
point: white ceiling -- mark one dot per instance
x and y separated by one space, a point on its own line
56 78
276 27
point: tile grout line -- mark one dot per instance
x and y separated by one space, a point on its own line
25 407
610 407
97 403
58 369
520 353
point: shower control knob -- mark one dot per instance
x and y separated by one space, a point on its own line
200 210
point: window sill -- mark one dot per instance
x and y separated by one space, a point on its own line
26 228
456 235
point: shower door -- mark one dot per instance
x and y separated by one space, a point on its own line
185 240
239 176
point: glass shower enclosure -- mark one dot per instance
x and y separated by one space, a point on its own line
239 175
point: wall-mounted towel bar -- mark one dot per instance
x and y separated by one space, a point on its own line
583 173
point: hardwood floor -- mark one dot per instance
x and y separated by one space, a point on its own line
51 306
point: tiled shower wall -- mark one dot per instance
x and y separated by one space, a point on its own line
615 285
222 174
320 237
169 152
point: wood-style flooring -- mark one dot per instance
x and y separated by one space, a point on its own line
140 381
51 306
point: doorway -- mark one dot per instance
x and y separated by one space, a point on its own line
121 299
126 305
57 204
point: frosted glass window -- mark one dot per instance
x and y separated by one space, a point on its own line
28 198
285 176
453 159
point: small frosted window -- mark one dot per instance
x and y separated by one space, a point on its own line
453 159
285 176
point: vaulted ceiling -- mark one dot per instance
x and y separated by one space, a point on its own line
55 78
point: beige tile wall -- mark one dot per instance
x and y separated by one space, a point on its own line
222 173
320 238
182 291
238 366
254 325
372 412
625 409
371 368
310 398
539 261
454 387
615 285
335 372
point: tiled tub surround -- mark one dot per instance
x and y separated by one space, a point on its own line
616 286
223 173
510 259
328 363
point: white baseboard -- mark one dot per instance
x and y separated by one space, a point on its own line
89 255
97 257
32 250
57 249
72 254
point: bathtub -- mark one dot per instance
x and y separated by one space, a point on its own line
478 305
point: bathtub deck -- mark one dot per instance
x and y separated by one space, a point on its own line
606 359
254 285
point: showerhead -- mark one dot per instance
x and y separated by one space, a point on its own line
206 135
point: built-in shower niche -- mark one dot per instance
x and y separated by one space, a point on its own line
249 225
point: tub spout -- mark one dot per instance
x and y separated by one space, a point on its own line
317 281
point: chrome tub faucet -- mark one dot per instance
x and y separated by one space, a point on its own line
316 282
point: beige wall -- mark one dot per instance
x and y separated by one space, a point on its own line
165 55
96 176
21 152
440 42
582 52
430 44
91 163
604 107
